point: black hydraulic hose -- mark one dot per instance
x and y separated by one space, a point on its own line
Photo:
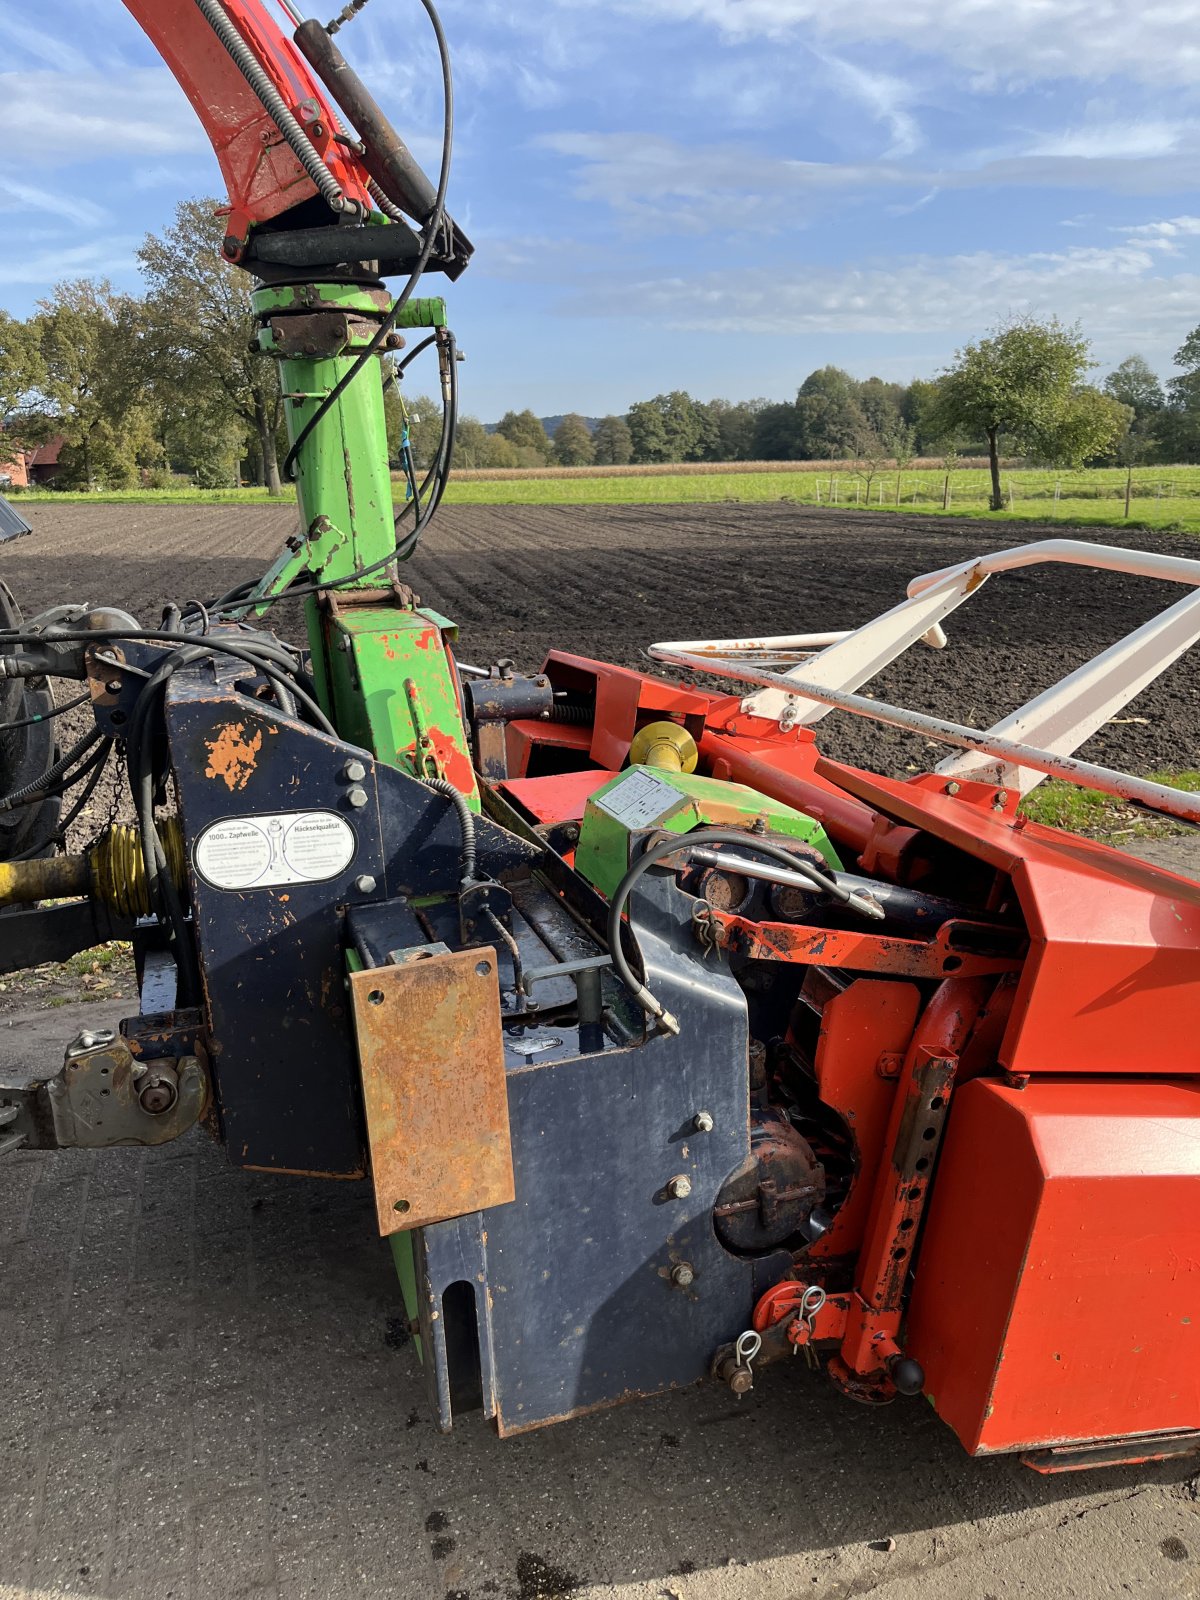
679 846
466 822
272 103
52 774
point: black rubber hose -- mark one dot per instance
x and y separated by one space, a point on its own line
466 822
669 847
51 775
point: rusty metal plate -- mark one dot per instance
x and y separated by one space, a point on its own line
432 1061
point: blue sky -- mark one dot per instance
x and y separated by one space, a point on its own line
716 195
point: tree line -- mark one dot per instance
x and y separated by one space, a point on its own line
142 388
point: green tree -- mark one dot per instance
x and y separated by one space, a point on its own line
21 377
647 432
523 429
612 442
573 442
1022 383
880 403
202 327
92 354
829 415
735 427
777 433
1135 384
919 408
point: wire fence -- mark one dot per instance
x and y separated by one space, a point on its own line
1022 487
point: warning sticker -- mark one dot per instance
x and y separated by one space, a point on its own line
274 849
640 799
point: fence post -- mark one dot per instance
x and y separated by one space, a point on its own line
1010 494
1128 488
817 487
1057 491
833 490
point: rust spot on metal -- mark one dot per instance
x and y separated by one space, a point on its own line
232 756
431 1057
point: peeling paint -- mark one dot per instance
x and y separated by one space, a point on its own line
232 756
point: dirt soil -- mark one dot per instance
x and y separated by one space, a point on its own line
608 580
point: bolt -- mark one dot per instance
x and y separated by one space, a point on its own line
679 1188
86 1041
952 788
158 1096
682 1275
703 1122
1001 799
365 883
741 1380
357 797
354 771
113 686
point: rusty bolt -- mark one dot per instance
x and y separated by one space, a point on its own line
679 1188
682 1275
365 883
354 771
952 788
741 1380
703 1122
357 797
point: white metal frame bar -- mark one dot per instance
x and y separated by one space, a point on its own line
1029 744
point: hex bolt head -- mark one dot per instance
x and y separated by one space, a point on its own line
952 787
682 1275
357 797
703 1122
679 1188
365 883
354 771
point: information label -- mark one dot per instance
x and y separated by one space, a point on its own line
640 799
274 849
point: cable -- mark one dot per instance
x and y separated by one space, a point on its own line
52 774
466 822
28 722
433 227
676 846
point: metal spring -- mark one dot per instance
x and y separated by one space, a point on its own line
298 141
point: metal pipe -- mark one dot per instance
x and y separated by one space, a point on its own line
1068 552
1156 796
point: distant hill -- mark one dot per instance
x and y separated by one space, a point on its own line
551 424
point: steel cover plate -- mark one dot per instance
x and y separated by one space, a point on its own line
432 1061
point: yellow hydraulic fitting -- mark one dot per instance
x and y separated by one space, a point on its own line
666 745
113 870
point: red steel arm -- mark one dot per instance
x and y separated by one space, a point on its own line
262 175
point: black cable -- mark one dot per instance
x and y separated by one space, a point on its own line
59 833
466 823
40 786
29 722
675 846
434 224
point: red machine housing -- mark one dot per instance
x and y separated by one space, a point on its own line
1060 1258
1044 1275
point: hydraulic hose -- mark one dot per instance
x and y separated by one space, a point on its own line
825 882
51 774
466 822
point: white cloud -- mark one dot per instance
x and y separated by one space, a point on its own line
1119 294
1113 141
50 119
1155 41
887 99
659 185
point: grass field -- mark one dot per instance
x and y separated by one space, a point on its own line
1163 497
